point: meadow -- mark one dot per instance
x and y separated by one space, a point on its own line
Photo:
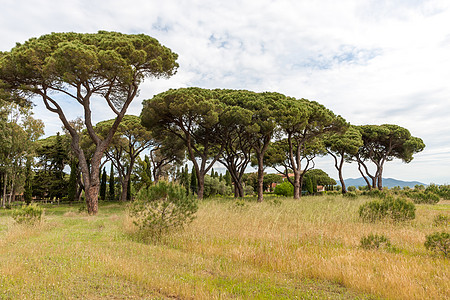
279 249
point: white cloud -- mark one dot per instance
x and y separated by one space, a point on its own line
372 62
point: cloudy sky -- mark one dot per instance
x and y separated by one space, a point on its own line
373 62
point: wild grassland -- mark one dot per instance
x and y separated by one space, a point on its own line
307 249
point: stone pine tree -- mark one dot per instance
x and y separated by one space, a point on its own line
111 194
81 67
382 143
192 116
303 122
343 147
103 185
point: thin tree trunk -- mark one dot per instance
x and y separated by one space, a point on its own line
341 177
5 180
260 178
11 191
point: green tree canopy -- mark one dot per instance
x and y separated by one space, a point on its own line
81 66
192 115
382 143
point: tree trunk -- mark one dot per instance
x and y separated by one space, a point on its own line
240 189
369 186
126 178
200 185
91 194
91 182
297 187
5 180
380 182
123 194
341 179
11 191
260 178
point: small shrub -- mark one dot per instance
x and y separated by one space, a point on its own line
397 209
372 211
426 197
275 202
400 209
351 195
162 208
375 193
248 190
28 214
374 242
284 189
351 188
441 220
240 204
438 243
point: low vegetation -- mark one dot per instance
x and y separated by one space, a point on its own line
28 214
395 209
439 243
307 249
162 208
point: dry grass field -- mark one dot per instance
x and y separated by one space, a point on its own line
306 249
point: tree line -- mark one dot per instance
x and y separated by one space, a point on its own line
233 127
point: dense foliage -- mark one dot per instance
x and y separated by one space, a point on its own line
162 208
396 209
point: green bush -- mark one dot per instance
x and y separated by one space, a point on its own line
162 208
375 193
351 195
28 214
372 211
426 197
438 243
248 190
284 189
213 186
441 220
374 242
397 209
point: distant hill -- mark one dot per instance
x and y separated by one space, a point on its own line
387 182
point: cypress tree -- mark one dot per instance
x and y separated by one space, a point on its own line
111 184
186 179
72 185
193 181
227 178
212 173
314 184
103 185
129 189
309 185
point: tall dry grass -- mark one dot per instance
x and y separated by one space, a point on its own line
306 249
318 237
